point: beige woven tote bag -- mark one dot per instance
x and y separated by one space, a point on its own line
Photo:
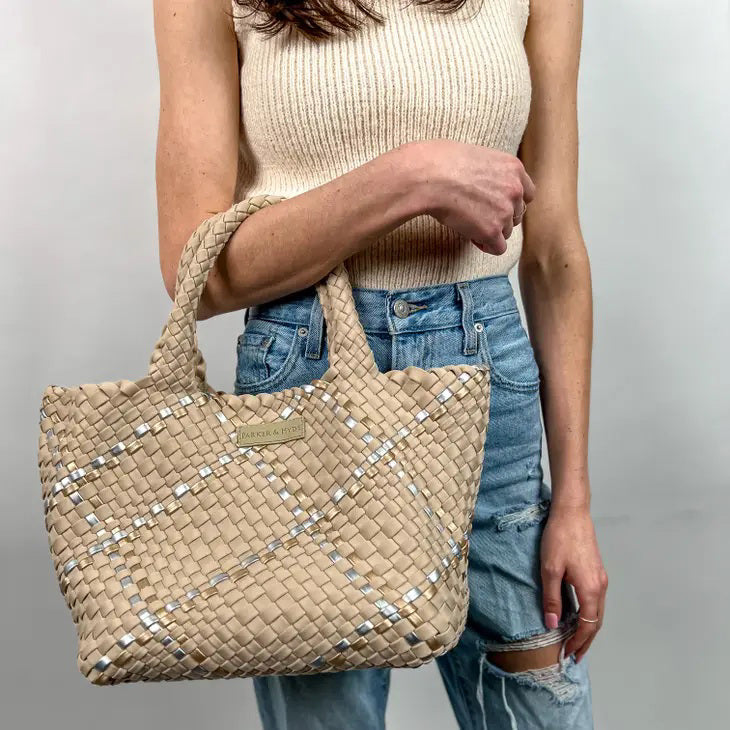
200 534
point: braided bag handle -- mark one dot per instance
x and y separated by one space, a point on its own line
186 257
178 365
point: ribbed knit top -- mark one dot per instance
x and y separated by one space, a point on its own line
313 110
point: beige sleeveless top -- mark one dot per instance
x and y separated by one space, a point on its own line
311 111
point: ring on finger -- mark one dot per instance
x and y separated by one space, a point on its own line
589 620
516 219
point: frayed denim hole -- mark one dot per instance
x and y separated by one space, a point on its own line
557 680
530 515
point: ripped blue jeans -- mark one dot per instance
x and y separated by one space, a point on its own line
283 344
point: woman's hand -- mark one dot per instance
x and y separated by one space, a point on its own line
569 550
480 192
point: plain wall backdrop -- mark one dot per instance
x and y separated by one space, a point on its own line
85 304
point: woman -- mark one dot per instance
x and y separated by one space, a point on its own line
409 140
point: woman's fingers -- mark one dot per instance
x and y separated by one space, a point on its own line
590 608
507 230
552 578
528 186
601 611
519 212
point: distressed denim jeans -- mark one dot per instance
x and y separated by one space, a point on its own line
283 344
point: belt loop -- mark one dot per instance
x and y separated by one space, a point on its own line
467 317
316 330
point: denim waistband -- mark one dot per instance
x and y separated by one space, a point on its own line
393 311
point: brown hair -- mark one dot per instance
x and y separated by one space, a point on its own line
311 17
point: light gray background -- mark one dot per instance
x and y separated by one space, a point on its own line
78 83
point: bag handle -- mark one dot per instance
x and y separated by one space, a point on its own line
178 365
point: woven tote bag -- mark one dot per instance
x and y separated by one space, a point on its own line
200 534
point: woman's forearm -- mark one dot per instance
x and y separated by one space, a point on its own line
559 310
294 243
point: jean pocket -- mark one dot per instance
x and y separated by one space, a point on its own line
505 345
266 353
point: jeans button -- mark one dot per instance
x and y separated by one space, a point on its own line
401 308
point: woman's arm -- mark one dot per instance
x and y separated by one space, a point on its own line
555 282
282 248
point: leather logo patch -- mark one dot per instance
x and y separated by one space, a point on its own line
270 433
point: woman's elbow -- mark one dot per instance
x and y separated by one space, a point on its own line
209 305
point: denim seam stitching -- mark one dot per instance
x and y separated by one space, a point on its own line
523 387
475 710
282 372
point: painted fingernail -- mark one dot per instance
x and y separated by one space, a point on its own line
551 620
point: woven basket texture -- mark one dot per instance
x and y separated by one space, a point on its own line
182 553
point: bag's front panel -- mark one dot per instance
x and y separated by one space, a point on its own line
186 555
